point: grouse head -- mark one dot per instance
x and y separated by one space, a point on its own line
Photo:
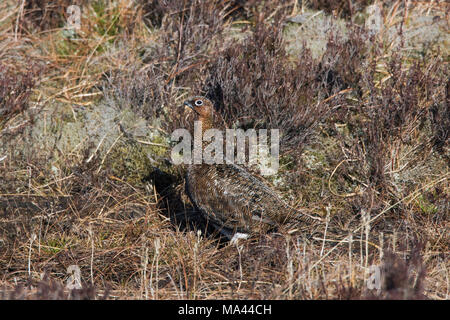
202 106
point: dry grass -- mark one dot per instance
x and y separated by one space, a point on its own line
365 146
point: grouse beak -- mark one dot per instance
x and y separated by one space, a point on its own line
189 105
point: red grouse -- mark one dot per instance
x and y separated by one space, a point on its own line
233 200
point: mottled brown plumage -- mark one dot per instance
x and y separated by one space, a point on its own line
232 199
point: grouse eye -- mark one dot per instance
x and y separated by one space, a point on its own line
198 103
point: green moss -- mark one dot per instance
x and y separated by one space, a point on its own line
287 162
158 150
129 162
65 45
426 207
108 23
53 246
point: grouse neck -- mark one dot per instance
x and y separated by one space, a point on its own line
205 124
201 125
